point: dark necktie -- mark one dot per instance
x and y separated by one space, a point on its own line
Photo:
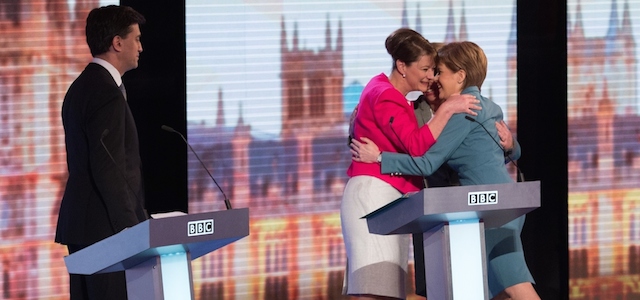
123 90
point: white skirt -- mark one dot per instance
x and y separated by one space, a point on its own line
376 264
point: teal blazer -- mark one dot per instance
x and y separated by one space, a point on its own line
465 146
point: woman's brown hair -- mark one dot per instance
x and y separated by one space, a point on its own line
467 56
408 46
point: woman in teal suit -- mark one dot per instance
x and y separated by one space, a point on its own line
474 152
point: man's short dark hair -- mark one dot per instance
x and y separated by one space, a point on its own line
105 23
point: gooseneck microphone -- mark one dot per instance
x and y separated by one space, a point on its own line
104 134
424 180
520 175
227 203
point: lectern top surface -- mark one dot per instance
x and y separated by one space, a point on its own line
197 234
494 204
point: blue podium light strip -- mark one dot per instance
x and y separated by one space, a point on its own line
466 260
464 221
175 276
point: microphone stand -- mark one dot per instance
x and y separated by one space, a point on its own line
227 203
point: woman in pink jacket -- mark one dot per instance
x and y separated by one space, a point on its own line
377 264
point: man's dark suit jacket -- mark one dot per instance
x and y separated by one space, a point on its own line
98 201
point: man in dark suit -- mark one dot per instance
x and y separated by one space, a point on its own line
104 192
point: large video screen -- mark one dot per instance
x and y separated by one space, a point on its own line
604 149
270 89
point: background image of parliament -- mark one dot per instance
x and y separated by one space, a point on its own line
604 157
293 182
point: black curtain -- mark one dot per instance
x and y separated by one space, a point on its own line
542 133
157 96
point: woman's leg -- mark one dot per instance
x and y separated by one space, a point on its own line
376 264
507 271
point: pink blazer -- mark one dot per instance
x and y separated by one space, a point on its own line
386 117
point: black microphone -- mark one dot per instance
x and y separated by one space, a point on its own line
227 203
104 134
506 154
424 180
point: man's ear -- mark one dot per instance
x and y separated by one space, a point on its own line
116 43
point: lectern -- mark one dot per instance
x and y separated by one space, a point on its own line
452 221
156 254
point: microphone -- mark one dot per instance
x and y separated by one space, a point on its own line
227 203
520 175
104 134
424 180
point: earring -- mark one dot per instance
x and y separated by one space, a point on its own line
404 75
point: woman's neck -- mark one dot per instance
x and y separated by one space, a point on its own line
399 82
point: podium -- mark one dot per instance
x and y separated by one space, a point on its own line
452 221
156 254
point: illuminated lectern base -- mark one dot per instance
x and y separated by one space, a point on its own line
455 260
167 276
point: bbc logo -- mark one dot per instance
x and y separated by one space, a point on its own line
200 227
483 198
